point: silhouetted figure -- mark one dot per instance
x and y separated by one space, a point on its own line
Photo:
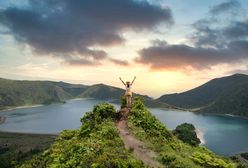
128 94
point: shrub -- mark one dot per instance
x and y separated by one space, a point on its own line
100 112
173 153
96 116
141 117
186 133
210 161
244 155
167 159
123 101
95 144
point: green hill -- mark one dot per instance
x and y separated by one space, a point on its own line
19 93
97 144
226 95
101 91
74 90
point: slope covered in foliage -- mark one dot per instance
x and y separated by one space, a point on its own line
172 152
95 144
16 148
18 93
227 95
187 133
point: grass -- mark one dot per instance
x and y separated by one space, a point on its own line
16 148
95 144
172 152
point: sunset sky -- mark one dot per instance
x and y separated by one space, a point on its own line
170 45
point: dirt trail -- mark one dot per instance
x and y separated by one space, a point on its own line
139 148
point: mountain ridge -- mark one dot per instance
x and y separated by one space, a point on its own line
15 93
225 95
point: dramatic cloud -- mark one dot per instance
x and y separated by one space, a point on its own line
72 30
237 30
206 35
216 40
217 31
166 56
231 6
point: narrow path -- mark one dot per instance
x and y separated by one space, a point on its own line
139 148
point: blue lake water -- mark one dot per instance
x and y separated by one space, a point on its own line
222 134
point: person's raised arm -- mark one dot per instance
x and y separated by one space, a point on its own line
122 81
133 80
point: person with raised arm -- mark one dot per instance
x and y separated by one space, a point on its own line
128 93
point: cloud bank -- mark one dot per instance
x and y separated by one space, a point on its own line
73 30
217 39
230 6
173 57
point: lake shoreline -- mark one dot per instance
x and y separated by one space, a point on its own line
28 133
200 136
6 109
20 107
10 108
222 115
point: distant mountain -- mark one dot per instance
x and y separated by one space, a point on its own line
73 89
226 95
18 93
106 92
101 91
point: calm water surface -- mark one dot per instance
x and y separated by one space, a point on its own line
224 135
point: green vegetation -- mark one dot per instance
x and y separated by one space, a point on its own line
19 93
16 148
123 101
244 155
227 95
186 133
241 160
172 152
14 93
242 166
95 144
101 91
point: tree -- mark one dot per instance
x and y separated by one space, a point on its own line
186 133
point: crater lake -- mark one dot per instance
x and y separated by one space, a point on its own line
225 135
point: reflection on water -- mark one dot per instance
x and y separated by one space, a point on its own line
223 135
